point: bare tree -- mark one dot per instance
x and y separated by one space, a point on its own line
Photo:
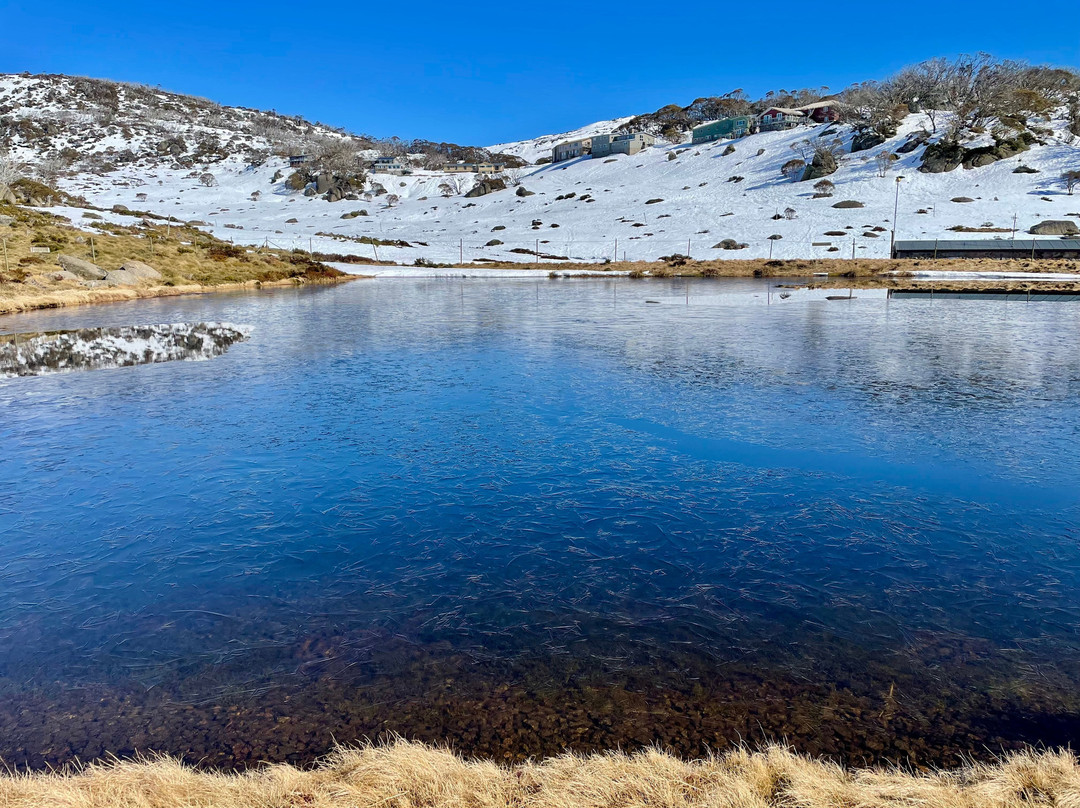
513 176
446 190
208 179
392 200
49 170
1071 180
10 170
884 161
793 169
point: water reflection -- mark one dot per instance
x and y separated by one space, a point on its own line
528 516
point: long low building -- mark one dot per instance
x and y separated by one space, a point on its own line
989 248
603 146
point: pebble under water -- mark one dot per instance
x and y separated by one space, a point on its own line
524 517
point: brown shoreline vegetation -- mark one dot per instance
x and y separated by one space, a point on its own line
189 261
403 774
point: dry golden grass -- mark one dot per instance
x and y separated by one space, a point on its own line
189 261
410 775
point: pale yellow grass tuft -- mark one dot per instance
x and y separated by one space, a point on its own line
412 775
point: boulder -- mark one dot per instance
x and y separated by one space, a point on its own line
323 183
980 160
866 140
913 142
63 275
7 221
140 270
8 196
82 268
1055 227
296 181
942 157
849 203
962 199
485 187
730 244
121 277
522 191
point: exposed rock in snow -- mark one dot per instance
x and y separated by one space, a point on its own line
91 348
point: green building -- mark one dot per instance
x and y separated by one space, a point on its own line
725 128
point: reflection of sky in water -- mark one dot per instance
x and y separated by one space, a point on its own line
544 468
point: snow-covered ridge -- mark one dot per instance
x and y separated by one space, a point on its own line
532 150
92 124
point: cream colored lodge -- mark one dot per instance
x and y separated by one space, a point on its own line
473 168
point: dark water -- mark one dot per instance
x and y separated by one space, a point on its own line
525 517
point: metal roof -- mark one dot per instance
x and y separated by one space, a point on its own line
1004 244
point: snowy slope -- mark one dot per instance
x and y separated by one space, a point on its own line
645 206
533 150
91 124
700 205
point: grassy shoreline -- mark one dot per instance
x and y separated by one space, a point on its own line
188 260
403 774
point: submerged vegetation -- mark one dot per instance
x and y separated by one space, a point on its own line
408 775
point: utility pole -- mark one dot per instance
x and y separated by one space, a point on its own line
896 210
1014 227
461 252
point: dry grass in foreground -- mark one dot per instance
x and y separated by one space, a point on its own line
409 775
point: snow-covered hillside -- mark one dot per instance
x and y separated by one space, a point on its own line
665 200
94 125
536 148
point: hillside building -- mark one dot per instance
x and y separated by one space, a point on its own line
724 129
474 168
297 160
571 149
776 118
389 165
822 111
603 146
628 143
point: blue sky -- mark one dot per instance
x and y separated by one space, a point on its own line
488 72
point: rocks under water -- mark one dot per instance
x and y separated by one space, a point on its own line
33 354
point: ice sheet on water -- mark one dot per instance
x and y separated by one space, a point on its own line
33 354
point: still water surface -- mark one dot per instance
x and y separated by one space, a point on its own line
524 517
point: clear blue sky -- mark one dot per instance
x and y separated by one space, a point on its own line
485 72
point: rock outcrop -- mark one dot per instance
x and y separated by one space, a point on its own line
81 268
140 270
487 186
1055 227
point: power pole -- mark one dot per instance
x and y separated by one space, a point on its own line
896 209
